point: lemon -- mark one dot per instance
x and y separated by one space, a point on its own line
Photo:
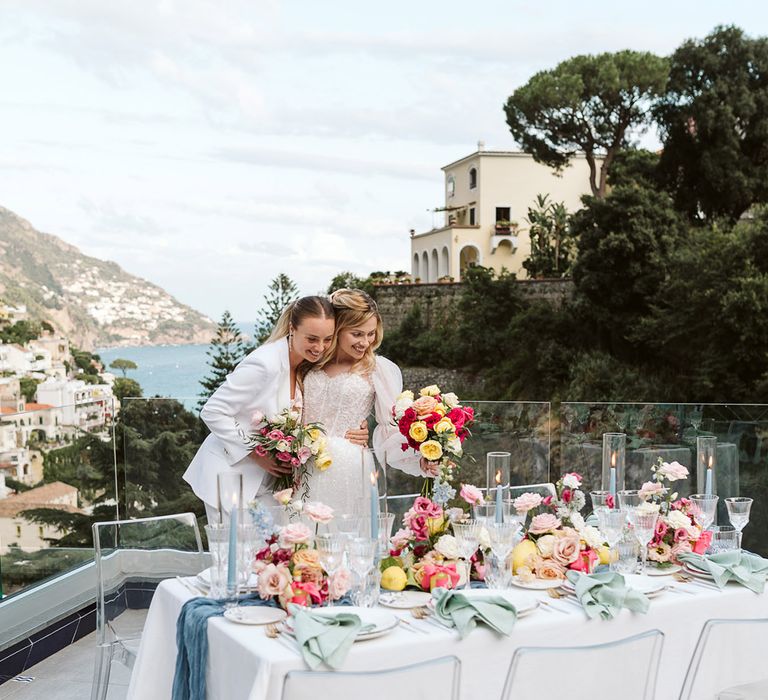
520 554
393 578
605 555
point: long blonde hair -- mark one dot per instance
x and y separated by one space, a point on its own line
353 308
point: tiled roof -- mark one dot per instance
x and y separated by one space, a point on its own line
40 497
37 406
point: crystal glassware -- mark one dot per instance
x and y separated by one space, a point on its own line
612 523
725 538
386 522
626 560
738 512
629 500
503 537
704 509
361 554
330 550
601 500
468 540
644 525
218 546
350 525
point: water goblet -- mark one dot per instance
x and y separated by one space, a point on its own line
626 554
503 537
601 500
484 512
468 540
725 538
704 509
629 500
644 525
611 523
330 551
738 512
386 522
350 525
361 555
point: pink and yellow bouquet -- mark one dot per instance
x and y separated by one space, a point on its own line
556 536
435 425
287 440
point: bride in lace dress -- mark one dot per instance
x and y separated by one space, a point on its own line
343 391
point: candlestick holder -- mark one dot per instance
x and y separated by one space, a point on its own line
498 477
706 463
614 462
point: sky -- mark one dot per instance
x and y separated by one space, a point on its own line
207 146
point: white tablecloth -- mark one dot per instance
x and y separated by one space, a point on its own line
244 663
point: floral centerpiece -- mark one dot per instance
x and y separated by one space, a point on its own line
287 440
425 549
435 425
556 536
676 530
289 569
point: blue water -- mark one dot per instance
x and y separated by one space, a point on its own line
164 370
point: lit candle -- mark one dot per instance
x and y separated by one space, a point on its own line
612 487
232 557
499 513
374 506
708 487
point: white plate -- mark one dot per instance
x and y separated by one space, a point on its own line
663 570
383 622
404 600
644 584
698 573
524 603
255 615
538 584
204 579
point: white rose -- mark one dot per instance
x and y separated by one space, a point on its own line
297 505
401 405
450 399
279 419
545 545
484 539
648 507
407 394
454 446
593 538
448 547
571 481
282 446
577 520
677 520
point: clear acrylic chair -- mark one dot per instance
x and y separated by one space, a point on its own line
545 489
439 678
728 654
132 557
626 668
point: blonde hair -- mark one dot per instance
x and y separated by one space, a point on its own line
295 312
353 308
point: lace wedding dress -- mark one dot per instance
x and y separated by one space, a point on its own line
340 403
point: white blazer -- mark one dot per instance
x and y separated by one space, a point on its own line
260 382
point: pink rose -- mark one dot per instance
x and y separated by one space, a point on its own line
526 502
339 583
682 535
609 501
319 512
257 418
283 497
546 522
273 580
651 488
276 434
419 526
681 547
548 569
672 471
284 456
661 529
304 454
402 537
424 405
469 413
471 494
586 561
457 416
260 451
296 533
423 506
295 462
701 545
547 501
567 495
566 550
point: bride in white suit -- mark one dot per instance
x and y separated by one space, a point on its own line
267 380
344 389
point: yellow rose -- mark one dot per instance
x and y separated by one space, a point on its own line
445 425
418 431
407 394
306 557
315 433
439 409
431 390
435 525
431 450
323 461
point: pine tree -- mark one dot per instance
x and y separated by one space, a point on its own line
227 348
282 291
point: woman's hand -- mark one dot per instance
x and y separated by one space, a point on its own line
358 436
428 468
270 466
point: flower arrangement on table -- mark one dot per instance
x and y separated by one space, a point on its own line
288 567
287 440
676 530
556 536
424 554
435 425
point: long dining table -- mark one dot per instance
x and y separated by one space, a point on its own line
245 664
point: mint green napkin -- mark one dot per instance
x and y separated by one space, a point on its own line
325 638
462 611
606 593
745 568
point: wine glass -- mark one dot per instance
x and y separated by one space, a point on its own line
612 524
330 551
600 500
468 540
503 537
704 509
738 512
629 500
349 525
361 555
644 525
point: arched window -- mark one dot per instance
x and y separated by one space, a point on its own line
434 266
472 178
445 267
424 267
415 266
468 257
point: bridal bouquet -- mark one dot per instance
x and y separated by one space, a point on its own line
556 536
286 439
676 530
435 425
